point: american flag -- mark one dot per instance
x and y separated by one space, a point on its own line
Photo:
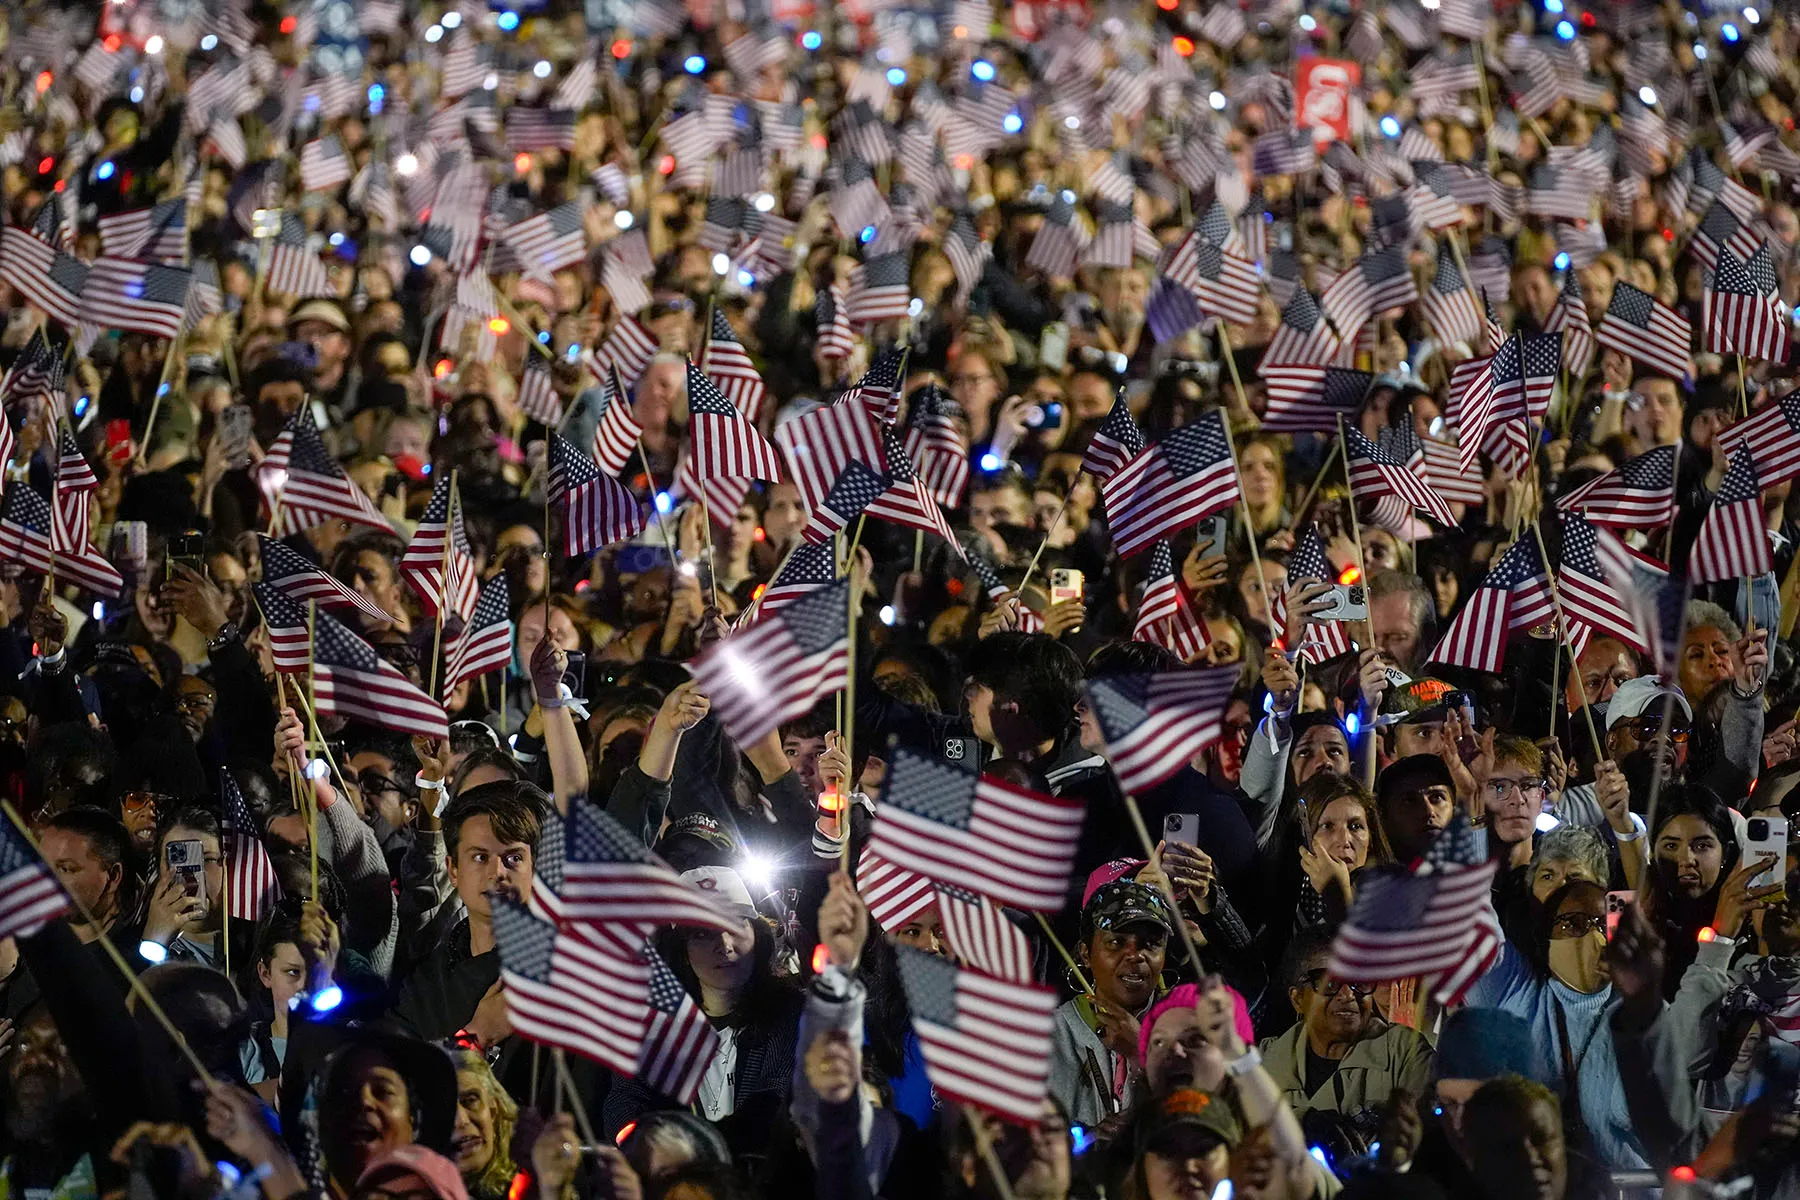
1570 318
597 510
324 167
986 1041
774 670
934 442
809 568
349 679
1636 324
30 896
45 275
1376 282
831 317
1115 443
1722 230
1449 303
485 643
1059 241
1283 152
679 1042
1586 588
70 544
1637 494
1437 921
1164 616
1320 641
284 567
819 445
294 267
37 374
533 129
1375 472
878 390
610 876
1312 399
574 993
537 392
1773 435
1558 192
158 232
142 297
439 562
617 432
724 445
981 936
1524 376
1173 484
1738 316
905 501
315 489
1454 482
968 254
550 241
893 894
1225 285
857 486
251 886
880 289
946 820
1304 336
1154 723
1734 541
1513 596
725 362
25 528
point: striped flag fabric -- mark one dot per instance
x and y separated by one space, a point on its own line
1720 231
968 254
25 528
532 129
294 266
1524 377
314 488
986 1041
1637 494
1376 472
1773 435
819 445
550 241
1172 485
1376 282
878 390
610 876
1225 285
905 500
1437 921
630 347
1733 542
37 374
809 568
1586 588
1320 641
724 444
1305 399
1570 318
774 670
946 820
831 318
1115 443
485 643
1514 596
1558 192
537 396
1738 316
1449 303
1056 247
597 509
1165 617
679 1042
1154 723
439 563
349 679
1636 324
857 486
287 569
1443 466
158 232
1304 336
880 289
45 275
894 895
572 993
726 363
71 543
142 297
934 442
981 936
251 886
30 896
617 432
324 167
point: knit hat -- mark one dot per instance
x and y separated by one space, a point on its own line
436 1172
1483 1043
1187 996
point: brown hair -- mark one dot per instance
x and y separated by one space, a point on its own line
1317 794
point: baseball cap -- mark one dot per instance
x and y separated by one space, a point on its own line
724 885
1187 1121
1122 904
436 1172
702 826
1109 872
1415 770
323 311
1419 700
1636 695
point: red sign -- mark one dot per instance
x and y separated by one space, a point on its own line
1322 88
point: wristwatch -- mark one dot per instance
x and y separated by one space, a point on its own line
228 633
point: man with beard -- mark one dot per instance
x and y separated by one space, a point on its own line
48 1121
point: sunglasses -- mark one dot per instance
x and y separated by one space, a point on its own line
139 801
1645 728
1320 981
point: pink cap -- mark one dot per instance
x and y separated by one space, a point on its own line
1110 872
432 1169
1187 996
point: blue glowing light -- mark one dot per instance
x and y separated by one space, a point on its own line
544 337
1390 127
1729 31
81 406
895 76
1562 262
694 64
1553 6
1012 122
991 461
811 40
332 995
377 98
1352 723
508 21
1565 30
105 170
867 235
663 503
982 70
746 279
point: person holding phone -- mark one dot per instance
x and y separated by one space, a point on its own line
186 910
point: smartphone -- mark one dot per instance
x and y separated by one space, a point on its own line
1183 828
265 222
1348 603
1616 904
1212 533
188 550
235 425
1041 416
1768 835
187 859
118 441
1066 584
1053 346
574 675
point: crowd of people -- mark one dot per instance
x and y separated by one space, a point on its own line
443 245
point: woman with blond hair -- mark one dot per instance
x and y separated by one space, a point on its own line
482 1139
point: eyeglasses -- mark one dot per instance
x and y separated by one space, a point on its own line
1575 925
1645 728
1319 980
374 783
1530 790
139 801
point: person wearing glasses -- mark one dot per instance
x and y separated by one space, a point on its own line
1341 1056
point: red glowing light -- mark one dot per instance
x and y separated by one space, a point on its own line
1184 46
1707 934
831 802
1668 235
757 591
1167 5
442 369
46 165
289 24
522 163
965 162
1587 18
44 80
1683 1175
621 48
60 185
625 1131
111 43
821 959
1349 574
761 534
666 165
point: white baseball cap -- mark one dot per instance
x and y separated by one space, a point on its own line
725 886
1636 695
